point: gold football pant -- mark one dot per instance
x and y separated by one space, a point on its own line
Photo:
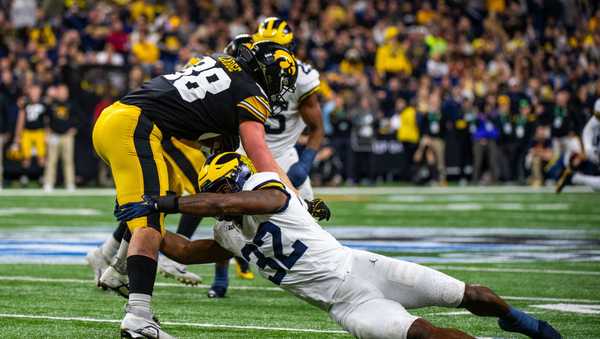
33 138
130 144
184 163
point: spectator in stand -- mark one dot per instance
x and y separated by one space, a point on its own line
145 50
340 138
565 125
506 139
539 155
390 57
484 142
524 126
61 124
432 126
408 135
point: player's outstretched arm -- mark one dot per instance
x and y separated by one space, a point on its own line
188 252
264 201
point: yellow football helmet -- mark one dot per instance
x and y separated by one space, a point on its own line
225 173
276 30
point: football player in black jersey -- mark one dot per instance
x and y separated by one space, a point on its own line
214 97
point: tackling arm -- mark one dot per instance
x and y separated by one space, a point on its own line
263 201
188 252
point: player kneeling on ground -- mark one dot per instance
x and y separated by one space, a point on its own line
367 294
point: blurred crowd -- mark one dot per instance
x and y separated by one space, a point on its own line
482 91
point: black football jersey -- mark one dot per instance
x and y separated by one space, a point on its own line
35 113
211 96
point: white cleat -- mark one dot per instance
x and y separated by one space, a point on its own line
98 262
134 326
111 279
171 269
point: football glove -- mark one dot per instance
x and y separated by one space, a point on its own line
149 205
299 171
318 209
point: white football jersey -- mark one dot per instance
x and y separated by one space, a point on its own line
284 128
288 247
591 140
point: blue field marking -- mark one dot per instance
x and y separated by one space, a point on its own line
419 244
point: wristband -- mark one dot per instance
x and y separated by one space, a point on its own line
168 204
308 157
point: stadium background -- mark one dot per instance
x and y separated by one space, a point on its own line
502 84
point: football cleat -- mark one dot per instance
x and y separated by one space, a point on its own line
98 262
171 269
113 280
134 326
564 180
243 274
544 330
217 292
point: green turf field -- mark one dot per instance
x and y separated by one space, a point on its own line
539 250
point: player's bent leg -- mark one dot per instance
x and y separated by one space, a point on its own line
115 277
218 289
587 180
407 283
100 258
482 301
422 329
242 269
172 269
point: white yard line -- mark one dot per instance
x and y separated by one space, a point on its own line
252 288
174 323
512 270
160 284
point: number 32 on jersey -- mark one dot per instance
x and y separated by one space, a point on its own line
194 82
283 262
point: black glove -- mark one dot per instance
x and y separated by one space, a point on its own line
318 209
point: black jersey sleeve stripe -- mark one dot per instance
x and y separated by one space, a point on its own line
307 94
256 114
184 164
141 140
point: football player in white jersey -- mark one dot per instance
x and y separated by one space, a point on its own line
300 109
365 293
584 169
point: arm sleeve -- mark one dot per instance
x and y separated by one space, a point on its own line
308 82
255 108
